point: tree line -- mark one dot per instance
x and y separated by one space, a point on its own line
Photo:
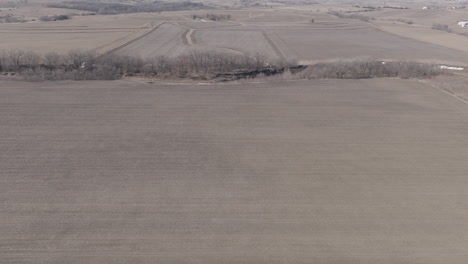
88 65
349 15
365 69
212 17
106 8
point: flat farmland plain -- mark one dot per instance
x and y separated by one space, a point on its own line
428 35
366 171
84 33
240 41
334 41
167 39
329 38
277 33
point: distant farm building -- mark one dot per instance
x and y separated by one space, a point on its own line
463 23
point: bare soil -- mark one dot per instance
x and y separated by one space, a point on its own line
282 32
367 171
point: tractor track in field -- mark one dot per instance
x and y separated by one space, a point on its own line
189 39
133 40
277 50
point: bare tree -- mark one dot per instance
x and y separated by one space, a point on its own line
441 27
30 59
80 59
53 60
15 57
162 63
3 60
339 68
259 59
148 69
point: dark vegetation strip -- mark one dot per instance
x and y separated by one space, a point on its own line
350 15
443 27
366 68
119 8
218 66
87 65
212 17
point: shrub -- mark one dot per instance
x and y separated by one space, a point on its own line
106 8
441 27
213 17
12 19
409 22
87 65
54 18
363 68
351 16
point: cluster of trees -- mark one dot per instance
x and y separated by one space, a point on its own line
12 4
396 7
294 2
55 18
75 65
87 65
406 21
351 16
213 17
9 18
364 68
441 27
106 8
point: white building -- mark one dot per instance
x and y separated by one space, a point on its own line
463 23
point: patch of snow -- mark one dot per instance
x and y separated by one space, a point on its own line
445 67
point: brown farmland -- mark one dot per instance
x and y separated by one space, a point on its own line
369 171
156 168
278 34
